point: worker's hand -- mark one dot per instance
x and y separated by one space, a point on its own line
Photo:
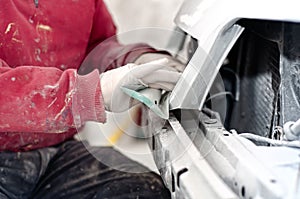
155 74
172 62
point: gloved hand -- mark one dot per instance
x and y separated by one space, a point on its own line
172 62
155 74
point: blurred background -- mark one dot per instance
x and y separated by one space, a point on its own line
132 14
135 20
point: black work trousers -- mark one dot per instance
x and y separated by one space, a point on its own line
70 171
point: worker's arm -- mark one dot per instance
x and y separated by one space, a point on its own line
41 99
46 99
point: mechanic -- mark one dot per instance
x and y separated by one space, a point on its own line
42 46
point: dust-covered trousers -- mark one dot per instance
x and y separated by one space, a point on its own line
69 170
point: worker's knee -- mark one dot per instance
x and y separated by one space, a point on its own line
134 185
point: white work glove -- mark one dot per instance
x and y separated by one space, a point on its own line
172 62
155 74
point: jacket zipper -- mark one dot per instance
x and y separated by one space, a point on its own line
36 3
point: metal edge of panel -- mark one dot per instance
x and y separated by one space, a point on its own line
194 85
185 172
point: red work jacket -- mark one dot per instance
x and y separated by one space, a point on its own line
41 50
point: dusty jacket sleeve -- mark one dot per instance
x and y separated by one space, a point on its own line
104 51
43 99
